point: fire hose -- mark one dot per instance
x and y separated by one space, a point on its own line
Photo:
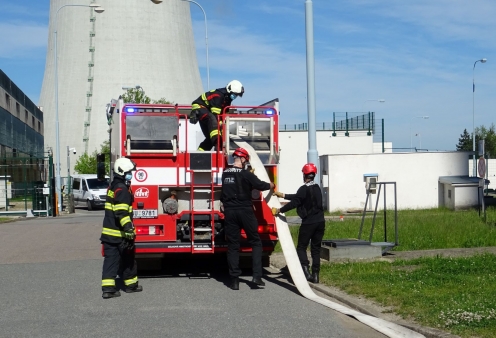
388 328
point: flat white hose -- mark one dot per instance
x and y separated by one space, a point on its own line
293 263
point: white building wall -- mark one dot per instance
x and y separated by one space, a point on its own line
490 168
136 43
464 197
416 176
294 146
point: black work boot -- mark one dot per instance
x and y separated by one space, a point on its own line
307 274
108 295
315 277
234 283
258 281
136 288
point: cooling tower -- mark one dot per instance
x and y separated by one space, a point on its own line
133 42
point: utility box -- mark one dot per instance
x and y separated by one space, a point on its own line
5 191
370 182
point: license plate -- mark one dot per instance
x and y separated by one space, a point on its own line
145 213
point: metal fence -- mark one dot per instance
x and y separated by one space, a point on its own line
26 184
340 122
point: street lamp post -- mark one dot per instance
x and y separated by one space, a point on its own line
312 154
420 140
473 117
206 35
415 117
375 100
58 184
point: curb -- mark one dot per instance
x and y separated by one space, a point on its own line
353 303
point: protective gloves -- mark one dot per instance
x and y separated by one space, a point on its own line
279 194
275 211
129 234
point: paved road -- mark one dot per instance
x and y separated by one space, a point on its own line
51 271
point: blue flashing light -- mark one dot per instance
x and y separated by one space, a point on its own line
269 112
130 110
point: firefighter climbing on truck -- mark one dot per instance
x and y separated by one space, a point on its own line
206 109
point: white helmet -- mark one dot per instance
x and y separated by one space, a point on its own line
235 87
123 165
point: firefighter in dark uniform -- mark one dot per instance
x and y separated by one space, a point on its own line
237 184
207 108
308 204
118 233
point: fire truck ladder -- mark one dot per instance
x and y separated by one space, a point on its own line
203 236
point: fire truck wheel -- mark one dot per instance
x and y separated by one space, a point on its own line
89 205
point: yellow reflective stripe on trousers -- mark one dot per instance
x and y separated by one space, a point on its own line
125 220
108 282
121 206
131 281
108 206
214 133
215 110
112 232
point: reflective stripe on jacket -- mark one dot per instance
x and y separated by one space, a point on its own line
118 212
215 101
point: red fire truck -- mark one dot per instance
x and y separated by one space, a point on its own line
177 188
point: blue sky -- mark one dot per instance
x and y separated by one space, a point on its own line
416 55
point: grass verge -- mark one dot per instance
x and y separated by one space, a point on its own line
453 294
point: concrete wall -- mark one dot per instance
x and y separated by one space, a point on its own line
294 146
416 176
135 43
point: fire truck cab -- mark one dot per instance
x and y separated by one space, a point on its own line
177 188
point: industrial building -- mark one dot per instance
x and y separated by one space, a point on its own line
132 43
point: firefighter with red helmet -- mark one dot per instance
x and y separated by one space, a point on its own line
237 184
207 108
118 233
308 204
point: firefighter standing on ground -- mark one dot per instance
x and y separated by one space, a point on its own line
118 233
237 184
207 108
308 204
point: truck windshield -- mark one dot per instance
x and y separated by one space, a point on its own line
151 131
95 184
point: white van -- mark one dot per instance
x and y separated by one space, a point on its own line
89 191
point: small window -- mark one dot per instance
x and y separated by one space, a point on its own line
7 100
26 116
449 193
76 184
18 108
39 126
32 121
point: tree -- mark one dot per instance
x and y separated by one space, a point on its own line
464 142
481 133
134 95
87 164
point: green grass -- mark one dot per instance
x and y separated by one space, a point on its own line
418 229
453 294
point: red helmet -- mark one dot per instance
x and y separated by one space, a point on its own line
309 168
241 152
